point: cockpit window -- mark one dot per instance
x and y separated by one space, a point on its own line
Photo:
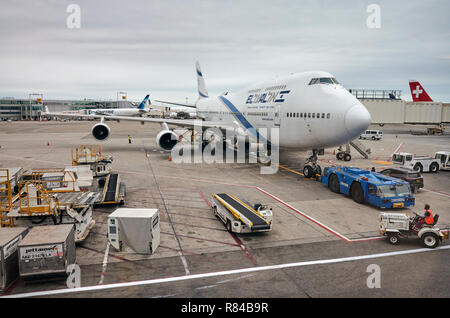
323 80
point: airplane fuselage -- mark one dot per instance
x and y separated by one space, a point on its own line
118 112
308 115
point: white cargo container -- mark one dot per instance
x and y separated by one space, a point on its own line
137 229
9 260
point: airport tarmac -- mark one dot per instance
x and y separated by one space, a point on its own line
311 223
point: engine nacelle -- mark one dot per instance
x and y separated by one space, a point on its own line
100 131
166 140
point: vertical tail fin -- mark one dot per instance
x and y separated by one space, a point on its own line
202 92
145 103
418 93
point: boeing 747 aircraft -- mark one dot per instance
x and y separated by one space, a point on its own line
311 109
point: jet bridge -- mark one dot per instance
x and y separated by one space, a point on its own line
241 217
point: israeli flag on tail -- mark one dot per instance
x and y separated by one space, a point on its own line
145 103
202 92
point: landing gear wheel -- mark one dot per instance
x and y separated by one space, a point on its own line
430 240
347 157
308 171
318 172
357 193
393 238
229 229
333 183
340 155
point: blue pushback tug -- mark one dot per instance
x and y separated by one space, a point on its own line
367 186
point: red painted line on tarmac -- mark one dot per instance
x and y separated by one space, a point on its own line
335 233
202 239
395 151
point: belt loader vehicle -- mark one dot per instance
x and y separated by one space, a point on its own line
400 225
417 163
368 187
240 216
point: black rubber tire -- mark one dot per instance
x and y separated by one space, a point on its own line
418 167
347 157
229 228
434 167
357 193
308 171
333 183
373 138
394 239
340 155
430 240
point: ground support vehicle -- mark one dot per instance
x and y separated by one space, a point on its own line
396 226
240 216
368 187
417 163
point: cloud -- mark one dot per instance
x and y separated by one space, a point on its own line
151 46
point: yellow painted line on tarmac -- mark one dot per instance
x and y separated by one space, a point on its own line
383 162
285 168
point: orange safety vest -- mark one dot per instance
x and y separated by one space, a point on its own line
429 219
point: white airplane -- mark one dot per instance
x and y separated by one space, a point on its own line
141 110
311 109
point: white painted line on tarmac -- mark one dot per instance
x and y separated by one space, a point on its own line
437 192
105 263
223 273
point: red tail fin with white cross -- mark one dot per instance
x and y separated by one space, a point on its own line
418 93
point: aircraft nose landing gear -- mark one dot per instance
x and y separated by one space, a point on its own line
311 168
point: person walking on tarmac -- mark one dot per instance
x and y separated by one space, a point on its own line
129 139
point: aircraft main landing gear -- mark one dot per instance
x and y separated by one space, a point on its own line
311 168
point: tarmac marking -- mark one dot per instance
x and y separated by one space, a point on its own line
395 151
105 263
438 192
318 222
224 273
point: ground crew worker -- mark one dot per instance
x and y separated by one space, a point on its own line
129 139
427 218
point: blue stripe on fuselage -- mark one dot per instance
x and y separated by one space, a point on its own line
242 119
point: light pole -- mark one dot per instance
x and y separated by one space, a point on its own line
123 95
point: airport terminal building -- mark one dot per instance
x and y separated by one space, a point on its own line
30 109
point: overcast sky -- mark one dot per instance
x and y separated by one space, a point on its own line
151 46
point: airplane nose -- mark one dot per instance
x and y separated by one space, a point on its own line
357 120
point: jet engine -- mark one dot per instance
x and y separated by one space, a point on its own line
166 139
100 131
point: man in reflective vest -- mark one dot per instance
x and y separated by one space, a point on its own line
429 219
426 218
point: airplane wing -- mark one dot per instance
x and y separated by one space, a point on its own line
177 104
177 122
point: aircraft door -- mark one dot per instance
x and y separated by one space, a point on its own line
277 116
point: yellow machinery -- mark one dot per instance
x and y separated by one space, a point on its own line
92 155
5 199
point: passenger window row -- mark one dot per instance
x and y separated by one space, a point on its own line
308 115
